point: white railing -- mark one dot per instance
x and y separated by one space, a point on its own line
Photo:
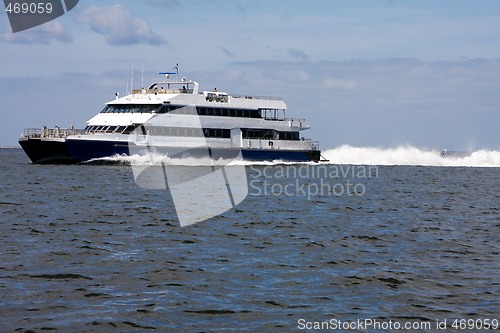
57 133
161 91
268 98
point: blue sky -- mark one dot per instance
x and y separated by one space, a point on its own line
366 73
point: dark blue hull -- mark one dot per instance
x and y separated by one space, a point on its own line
46 151
77 151
86 150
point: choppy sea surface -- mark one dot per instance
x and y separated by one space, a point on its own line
84 249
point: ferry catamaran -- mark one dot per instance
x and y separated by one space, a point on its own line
172 117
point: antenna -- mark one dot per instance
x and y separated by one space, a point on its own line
168 73
132 78
142 85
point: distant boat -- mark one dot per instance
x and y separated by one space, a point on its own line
447 153
176 117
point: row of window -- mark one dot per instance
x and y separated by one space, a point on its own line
247 133
292 136
190 132
131 108
267 134
209 111
110 129
202 111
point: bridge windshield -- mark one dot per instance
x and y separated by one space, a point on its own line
131 108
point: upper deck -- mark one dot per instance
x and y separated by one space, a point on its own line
186 92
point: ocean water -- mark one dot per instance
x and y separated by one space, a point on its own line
84 249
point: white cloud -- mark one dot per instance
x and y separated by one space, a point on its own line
43 34
118 25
